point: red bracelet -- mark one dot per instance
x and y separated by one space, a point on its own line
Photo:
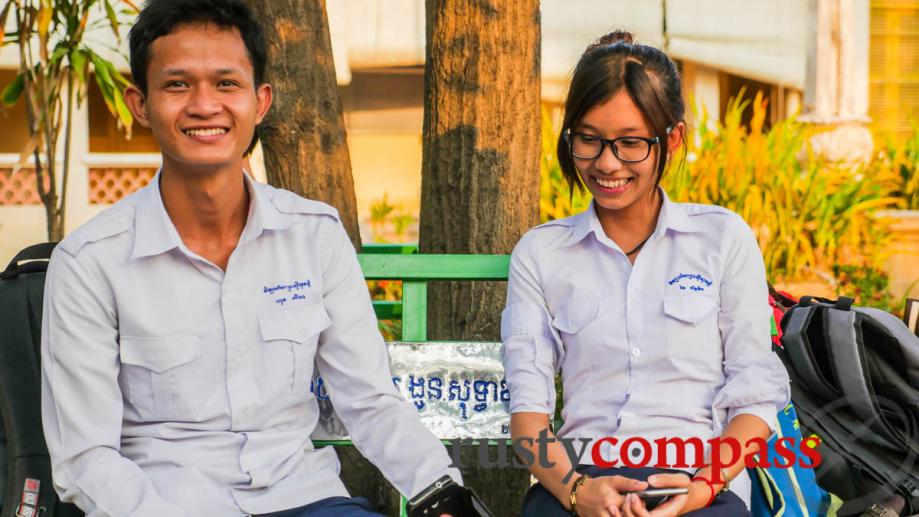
710 486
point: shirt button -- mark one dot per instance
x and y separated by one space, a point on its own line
636 352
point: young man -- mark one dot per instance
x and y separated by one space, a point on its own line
182 324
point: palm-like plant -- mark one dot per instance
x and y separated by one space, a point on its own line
808 213
55 62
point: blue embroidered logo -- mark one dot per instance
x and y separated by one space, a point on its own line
287 289
693 282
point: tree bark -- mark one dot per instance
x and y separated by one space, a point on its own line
480 164
303 136
480 174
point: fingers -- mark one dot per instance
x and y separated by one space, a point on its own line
670 481
613 511
624 484
611 503
633 506
672 507
617 486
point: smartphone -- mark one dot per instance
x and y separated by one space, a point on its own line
444 496
653 497
657 492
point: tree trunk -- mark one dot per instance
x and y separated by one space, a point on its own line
480 164
480 173
303 137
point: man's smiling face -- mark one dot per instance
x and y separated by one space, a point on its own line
201 104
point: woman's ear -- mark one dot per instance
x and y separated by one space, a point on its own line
137 103
676 137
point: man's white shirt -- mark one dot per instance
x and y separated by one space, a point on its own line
675 345
171 387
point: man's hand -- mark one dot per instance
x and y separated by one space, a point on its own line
633 506
603 496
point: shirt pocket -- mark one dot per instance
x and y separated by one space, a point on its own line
692 327
578 325
289 340
162 375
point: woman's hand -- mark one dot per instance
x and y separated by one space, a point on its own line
603 496
633 506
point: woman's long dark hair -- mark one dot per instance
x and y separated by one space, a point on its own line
613 64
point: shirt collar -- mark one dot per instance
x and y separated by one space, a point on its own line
263 214
155 233
672 217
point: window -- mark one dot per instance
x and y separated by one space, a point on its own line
894 67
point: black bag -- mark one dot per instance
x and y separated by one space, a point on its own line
24 463
855 384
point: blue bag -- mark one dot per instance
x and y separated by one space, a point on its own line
788 492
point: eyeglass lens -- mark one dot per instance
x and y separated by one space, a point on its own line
626 149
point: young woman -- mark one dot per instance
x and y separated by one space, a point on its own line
654 312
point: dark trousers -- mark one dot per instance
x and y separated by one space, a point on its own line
330 507
540 503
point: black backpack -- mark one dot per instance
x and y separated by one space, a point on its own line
855 384
25 470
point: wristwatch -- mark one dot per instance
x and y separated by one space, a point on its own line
727 481
573 496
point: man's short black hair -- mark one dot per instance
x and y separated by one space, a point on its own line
161 17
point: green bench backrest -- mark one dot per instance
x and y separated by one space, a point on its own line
415 271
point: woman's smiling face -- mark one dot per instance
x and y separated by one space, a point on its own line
614 184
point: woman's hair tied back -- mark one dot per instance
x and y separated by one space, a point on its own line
612 38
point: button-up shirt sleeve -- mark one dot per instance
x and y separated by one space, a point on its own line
353 361
81 401
529 344
756 382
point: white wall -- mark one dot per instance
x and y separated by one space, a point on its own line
762 40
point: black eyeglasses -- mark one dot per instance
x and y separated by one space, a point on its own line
627 149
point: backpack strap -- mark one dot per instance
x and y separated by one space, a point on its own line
798 347
844 303
842 329
31 259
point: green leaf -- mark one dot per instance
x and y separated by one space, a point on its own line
123 113
107 94
13 90
102 71
78 63
112 19
119 77
105 84
59 52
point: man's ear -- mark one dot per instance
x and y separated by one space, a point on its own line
263 98
137 103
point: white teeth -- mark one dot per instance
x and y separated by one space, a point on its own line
613 183
205 132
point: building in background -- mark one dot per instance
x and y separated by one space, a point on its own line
841 62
